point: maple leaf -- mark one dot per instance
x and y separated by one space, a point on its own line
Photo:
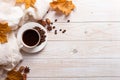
28 3
4 29
64 6
19 1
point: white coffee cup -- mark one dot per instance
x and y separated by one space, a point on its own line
30 38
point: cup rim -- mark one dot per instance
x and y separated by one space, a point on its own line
25 45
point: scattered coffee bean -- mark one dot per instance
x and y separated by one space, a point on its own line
48 21
63 31
42 22
53 27
47 11
49 28
60 29
55 20
68 20
55 32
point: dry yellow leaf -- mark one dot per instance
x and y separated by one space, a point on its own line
4 29
14 75
61 0
20 74
64 6
19 1
28 3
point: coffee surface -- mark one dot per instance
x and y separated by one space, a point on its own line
30 37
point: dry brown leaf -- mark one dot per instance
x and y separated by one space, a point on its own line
20 74
14 75
4 29
64 6
28 3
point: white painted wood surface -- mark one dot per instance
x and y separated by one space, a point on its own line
89 50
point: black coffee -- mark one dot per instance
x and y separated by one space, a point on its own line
30 37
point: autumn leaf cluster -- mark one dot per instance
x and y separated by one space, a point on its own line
65 6
28 3
4 30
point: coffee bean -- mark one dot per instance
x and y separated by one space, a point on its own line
68 20
63 31
42 34
53 27
37 28
48 21
42 22
49 28
55 32
47 11
60 30
55 20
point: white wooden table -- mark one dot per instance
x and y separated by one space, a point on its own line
89 50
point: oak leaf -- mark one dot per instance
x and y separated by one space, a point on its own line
28 3
4 30
64 6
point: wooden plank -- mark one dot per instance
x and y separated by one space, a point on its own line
91 10
78 49
73 68
108 78
88 51
86 31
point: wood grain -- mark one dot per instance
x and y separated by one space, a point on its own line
91 10
89 50
78 49
86 31
73 68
